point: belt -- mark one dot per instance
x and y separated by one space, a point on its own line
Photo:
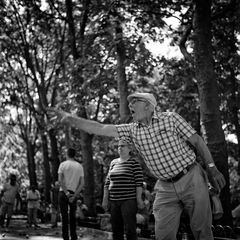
70 191
181 174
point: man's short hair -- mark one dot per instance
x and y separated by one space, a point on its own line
71 152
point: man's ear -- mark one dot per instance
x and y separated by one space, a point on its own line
148 105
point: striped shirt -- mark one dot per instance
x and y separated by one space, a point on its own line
123 178
163 144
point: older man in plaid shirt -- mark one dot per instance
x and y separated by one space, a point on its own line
163 139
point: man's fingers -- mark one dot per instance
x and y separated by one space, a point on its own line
220 182
54 114
53 118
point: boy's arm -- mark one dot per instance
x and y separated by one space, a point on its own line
79 188
62 183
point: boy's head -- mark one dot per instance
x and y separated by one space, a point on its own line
71 152
13 179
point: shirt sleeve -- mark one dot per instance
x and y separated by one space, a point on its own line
81 171
138 174
60 169
28 193
107 180
182 127
38 195
124 130
4 187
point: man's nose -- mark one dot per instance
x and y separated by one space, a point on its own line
130 105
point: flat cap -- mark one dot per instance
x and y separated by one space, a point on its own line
147 96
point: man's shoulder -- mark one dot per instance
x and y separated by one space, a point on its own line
163 116
133 159
6 185
76 165
114 160
71 162
79 164
63 165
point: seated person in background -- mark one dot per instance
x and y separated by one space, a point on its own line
79 211
147 197
144 214
54 203
99 209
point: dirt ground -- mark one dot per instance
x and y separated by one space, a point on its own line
18 231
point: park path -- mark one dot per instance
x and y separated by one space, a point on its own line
19 231
45 232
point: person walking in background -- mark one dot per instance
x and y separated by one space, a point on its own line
123 188
71 180
33 204
9 193
166 142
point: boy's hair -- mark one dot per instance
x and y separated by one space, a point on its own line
71 152
13 179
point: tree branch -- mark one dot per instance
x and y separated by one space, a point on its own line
182 44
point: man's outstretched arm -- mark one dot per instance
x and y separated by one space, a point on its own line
89 126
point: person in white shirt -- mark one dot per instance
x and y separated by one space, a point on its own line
71 180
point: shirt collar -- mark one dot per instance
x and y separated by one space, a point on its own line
154 116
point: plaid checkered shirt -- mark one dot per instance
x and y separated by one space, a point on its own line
163 144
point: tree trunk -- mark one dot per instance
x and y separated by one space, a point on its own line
86 139
121 76
88 164
209 100
235 110
54 155
31 164
234 105
47 173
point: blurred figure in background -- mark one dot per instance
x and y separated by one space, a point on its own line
33 204
54 204
9 193
143 214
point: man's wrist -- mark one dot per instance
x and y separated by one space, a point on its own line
211 165
67 193
64 118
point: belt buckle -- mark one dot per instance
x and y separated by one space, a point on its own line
184 171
